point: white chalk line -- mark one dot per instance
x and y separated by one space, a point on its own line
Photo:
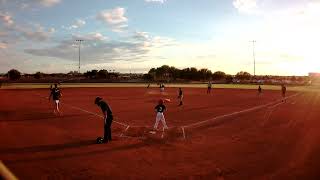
81 109
89 112
238 112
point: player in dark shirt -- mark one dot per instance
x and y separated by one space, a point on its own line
108 117
259 90
160 108
180 97
56 95
209 87
283 90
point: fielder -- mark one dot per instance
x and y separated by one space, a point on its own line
259 90
209 87
161 87
283 90
107 116
180 97
56 95
160 108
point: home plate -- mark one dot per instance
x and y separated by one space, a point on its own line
152 132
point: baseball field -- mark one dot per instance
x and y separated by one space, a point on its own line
232 133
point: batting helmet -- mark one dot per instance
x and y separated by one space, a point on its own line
96 101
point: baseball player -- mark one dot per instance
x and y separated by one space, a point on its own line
283 90
180 96
160 108
107 116
56 95
259 90
209 87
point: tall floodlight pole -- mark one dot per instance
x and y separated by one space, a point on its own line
254 58
79 40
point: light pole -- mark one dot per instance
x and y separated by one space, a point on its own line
254 58
79 40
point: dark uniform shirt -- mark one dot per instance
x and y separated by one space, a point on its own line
180 93
160 108
105 108
284 89
56 94
259 89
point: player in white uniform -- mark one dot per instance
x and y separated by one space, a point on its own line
56 95
160 108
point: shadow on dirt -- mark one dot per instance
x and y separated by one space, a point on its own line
108 149
52 147
36 117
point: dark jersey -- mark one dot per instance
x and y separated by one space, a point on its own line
180 93
284 89
160 108
55 93
105 108
259 89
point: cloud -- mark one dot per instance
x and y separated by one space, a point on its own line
97 48
90 37
158 1
49 3
77 24
245 6
6 19
3 45
115 18
24 4
36 33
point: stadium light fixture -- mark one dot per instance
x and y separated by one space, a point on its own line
79 41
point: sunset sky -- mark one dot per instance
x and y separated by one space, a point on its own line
136 35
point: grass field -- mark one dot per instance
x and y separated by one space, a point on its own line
129 85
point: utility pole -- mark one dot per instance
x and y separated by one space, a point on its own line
79 40
254 58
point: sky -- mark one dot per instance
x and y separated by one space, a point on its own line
136 35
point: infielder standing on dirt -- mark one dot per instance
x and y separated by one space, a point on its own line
180 96
160 108
259 90
107 116
209 87
283 90
56 95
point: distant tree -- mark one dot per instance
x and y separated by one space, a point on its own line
174 73
38 75
91 74
204 74
148 77
228 78
14 74
242 75
103 74
193 73
218 75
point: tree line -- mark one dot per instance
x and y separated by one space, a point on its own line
166 72
163 73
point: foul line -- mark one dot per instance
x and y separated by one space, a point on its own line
78 108
6 173
89 112
240 112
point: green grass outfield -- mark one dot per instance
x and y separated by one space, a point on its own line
129 85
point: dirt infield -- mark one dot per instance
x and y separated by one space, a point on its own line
278 141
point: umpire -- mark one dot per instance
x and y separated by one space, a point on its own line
107 114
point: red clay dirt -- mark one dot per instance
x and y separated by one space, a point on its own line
279 142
